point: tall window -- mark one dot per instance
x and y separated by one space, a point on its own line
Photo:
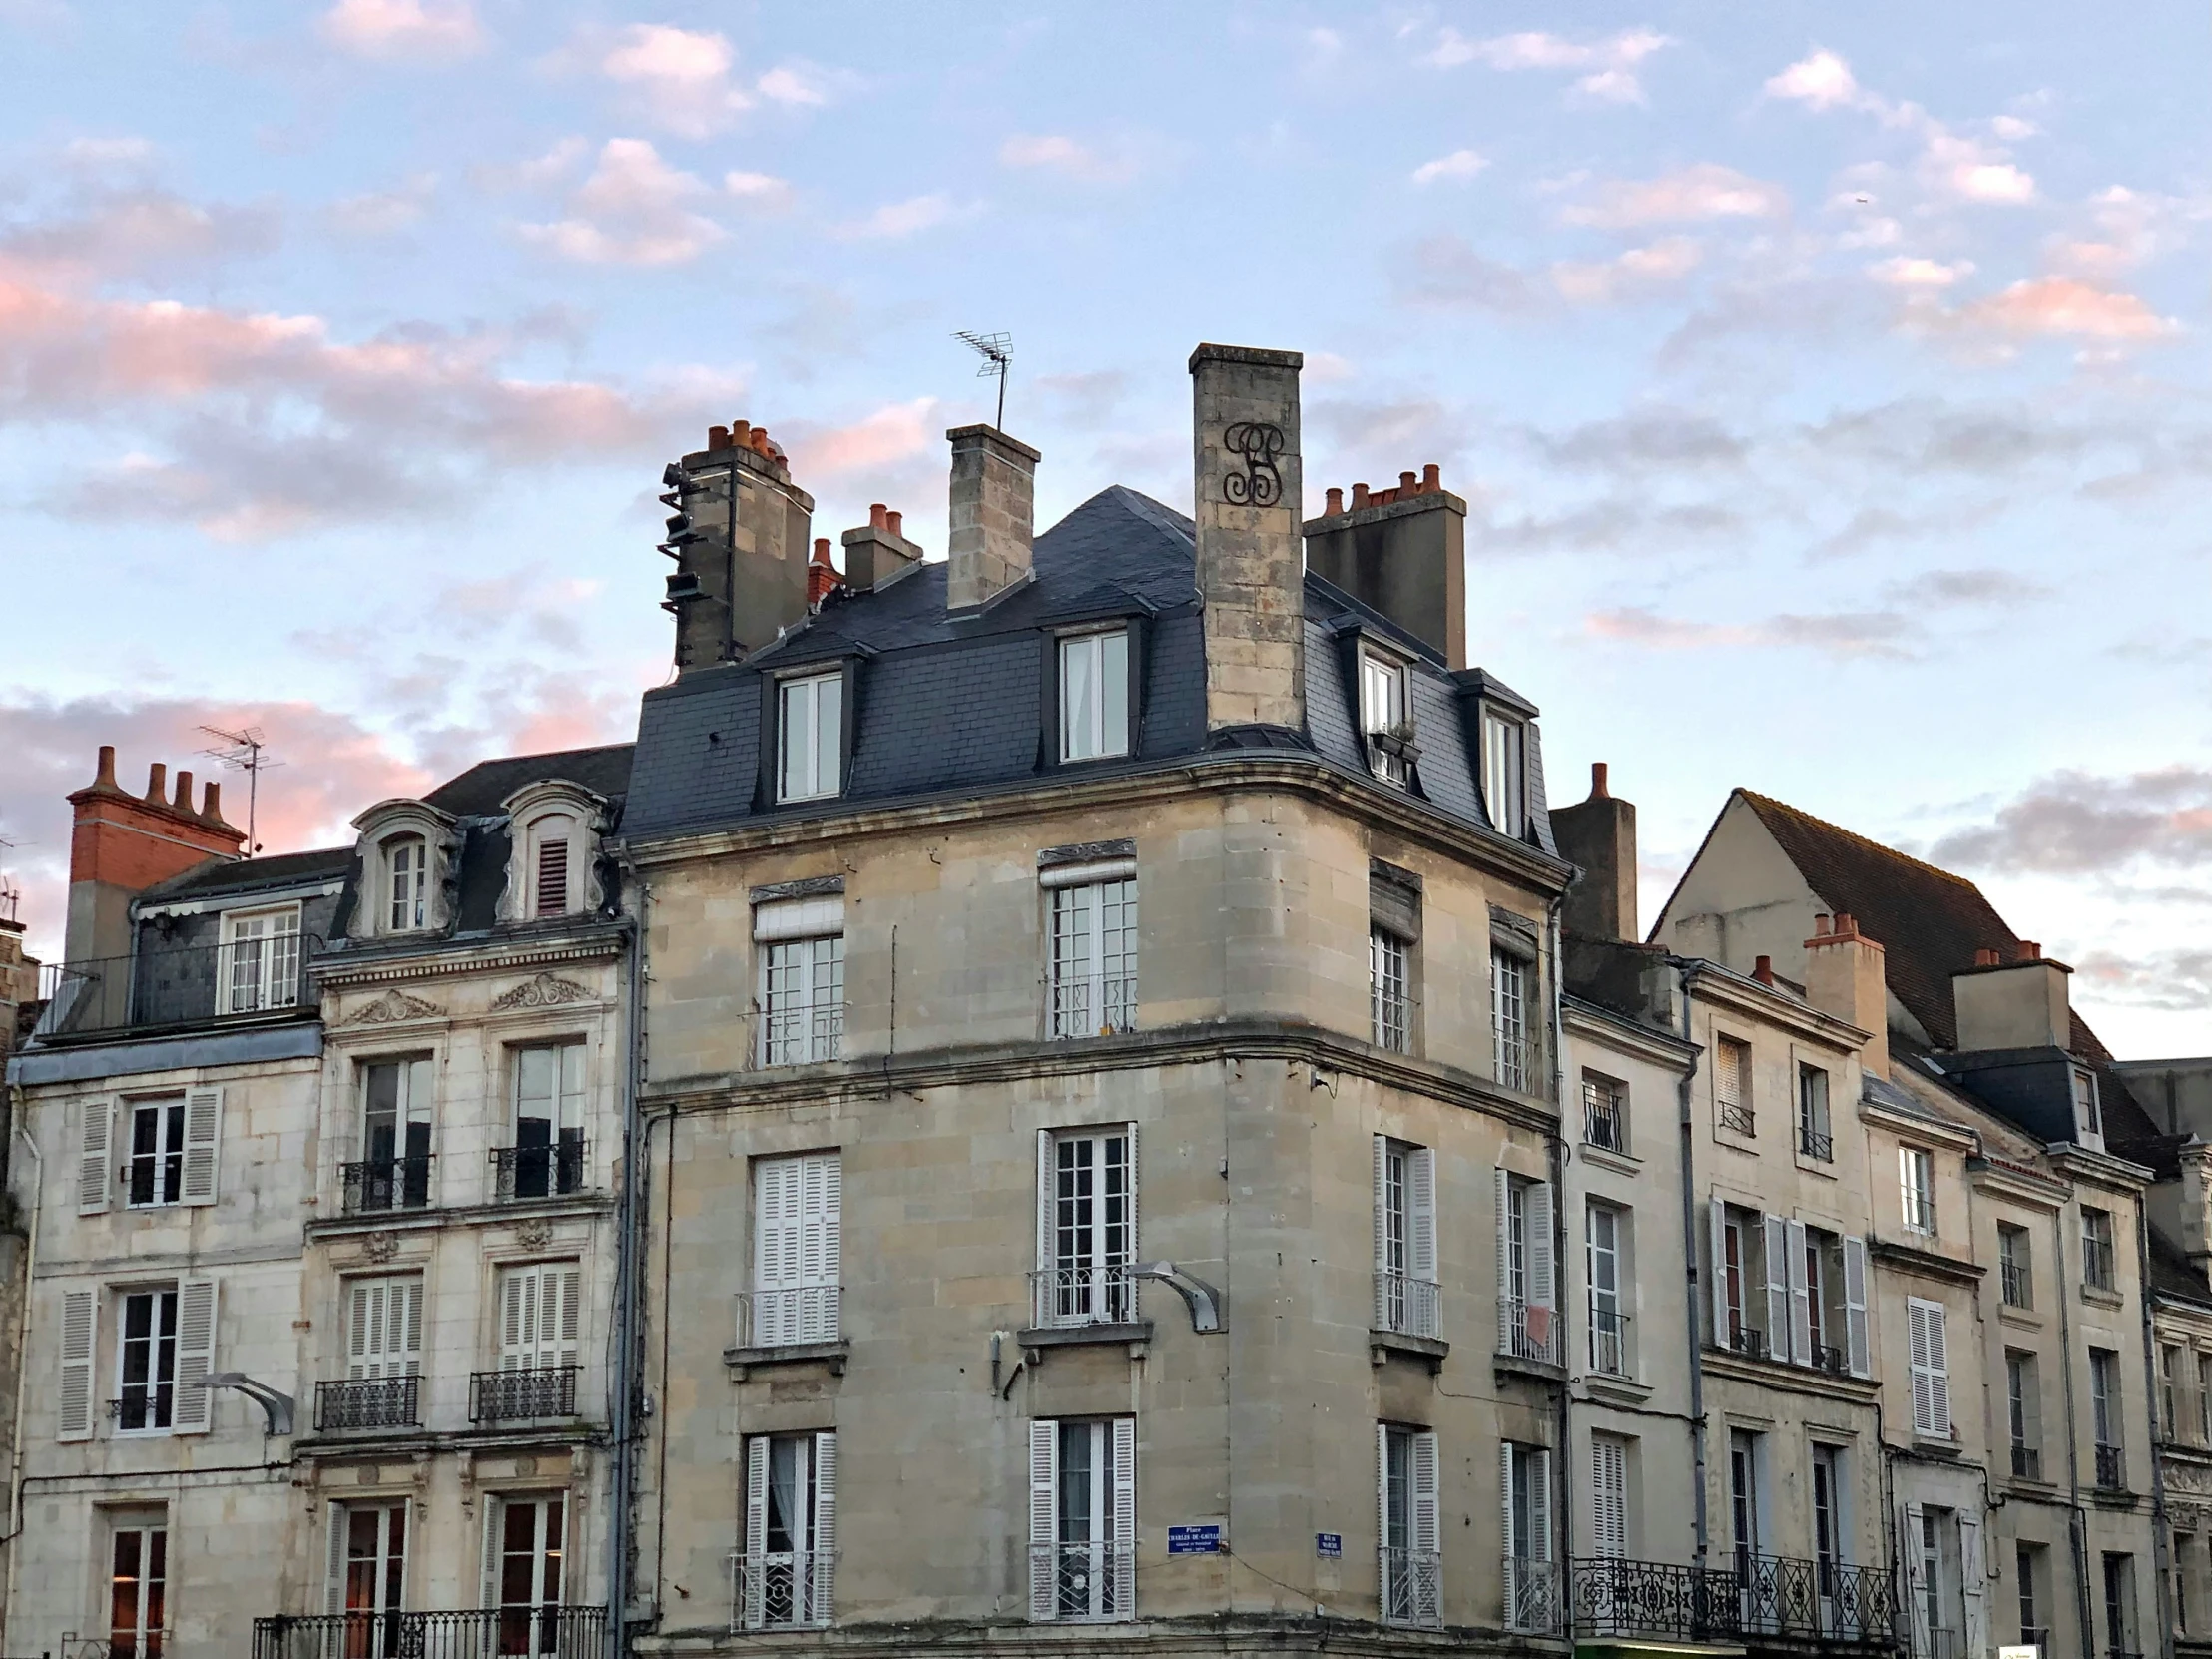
2104 1415
1094 957
1409 1521
2201 1424
2169 1386
802 980
1604 1112
395 1134
785 1575
1926 1569
809 731
2088 1109
1814 1139
798 1250
1609 1496
406 884
1531 1583
1083 1518
549 1122
1526 1288
2027 1570
2015 1275
528 1570
261 969
1404 1238
146 1361
1389 998
2096 1248
2119 1606
1916 1184
2184 1579
369 1553
1738 1238
1605 1244
1094 696
540 1318
1930 1366
1746 1454
2024 1409
1086 1226
553 886
1828 1518
138 1586
1510 976
1505 773
1732 1085
157 1168
1383 716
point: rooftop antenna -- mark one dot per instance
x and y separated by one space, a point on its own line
11 895
997 351
242 751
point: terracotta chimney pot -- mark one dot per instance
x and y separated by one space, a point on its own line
718 437
741 435
1762 971
2030 950
1336 503
1431 478
760 441
211 802
879 516
1819 923
157 783
893 522
1358 496
1598 784
183 798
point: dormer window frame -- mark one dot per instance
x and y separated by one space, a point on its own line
1094 617
384 829
1506 791
1102 742
403 882
2088 1108
1384 697
777 686
528 810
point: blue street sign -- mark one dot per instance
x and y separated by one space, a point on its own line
1329 1545
1195 1540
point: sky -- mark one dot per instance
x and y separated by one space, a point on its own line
1827 384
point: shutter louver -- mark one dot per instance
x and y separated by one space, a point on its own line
1543 1318
1938 1369
1383 1510
756 1528
80 1339
1973 1582
1130 1194
1124 1519
569 1331
194 1406
95 1134
361 1310
1047 1253
553 877
517 1298
823 1581
1507 1541
202 1144
1539 1504
1044 1485
1421 1220
1800 1295
1428 1531
494 1519
1777 1253
1609 1483
1855 1307
1916 1578
333 1561
1382 1231
1718 1217
1505 1211
1924 1396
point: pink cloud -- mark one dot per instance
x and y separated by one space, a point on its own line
1706 190
2062 305
403 31
895 433
634 209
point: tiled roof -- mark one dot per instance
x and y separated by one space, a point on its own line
241 875
479 790
2171 1271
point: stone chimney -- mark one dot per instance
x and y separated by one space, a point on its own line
1847 974
1251 575
738 531
2018 1004
2195 1157
1599 835
122 843
991 535
1403 552
878 550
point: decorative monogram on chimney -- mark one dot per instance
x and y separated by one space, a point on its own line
1260 484
544 991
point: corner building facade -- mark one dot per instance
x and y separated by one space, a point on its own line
1100 1095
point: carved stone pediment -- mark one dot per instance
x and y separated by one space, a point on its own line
545 991
392 1009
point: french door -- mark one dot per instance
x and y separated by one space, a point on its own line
529 1561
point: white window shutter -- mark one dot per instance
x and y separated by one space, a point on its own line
80 1342
333 1561
1382 1231
1428 1527
518 1289
1855 1307
1924 1399
1609 1486
95 1136
1539 1504
823 1580
1383 1510
1973 1583
1777 1253
1800 1295
1044 1516
1938 1369
195 1329
1538 1211
1124 1518
756 1527
363 1319
1916 1578
202 1144
771 1224
1133 1185
1718 1214
1047 1257
568 1334
494 1525
408 1328
1420 1219
1504 1212
1507 1541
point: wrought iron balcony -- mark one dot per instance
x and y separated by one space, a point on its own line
1528 1330
2111 1468
1405 1305
790 1317
1653 1600
522 1396
1413 1588
2017 1287
1532 1596
1738 1119
1609 1351
1827 1601
1817 1144
373 1185
2096 1263
183 985
2027 1461
536 1629
1604 1123
781 1590
367 1402
1749 1340
525 1172
1094 1005
1061 1298
1830 1359
1091 1582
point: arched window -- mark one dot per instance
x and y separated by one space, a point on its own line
555 885
407 883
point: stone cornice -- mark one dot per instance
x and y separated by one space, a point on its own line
390 969
2022 1185
1716 986
1602 1026
1920 1128
1926 1262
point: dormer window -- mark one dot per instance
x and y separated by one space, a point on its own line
810 736
1505 773
1386 716
1094 696
2088 1111
554 867
407 883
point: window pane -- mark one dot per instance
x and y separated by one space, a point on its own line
1113 694
1079 698
829 733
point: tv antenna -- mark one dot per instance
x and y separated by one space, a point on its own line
11 895
997 351
243 750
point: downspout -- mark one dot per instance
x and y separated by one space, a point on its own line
2076 1541
1564 1487
22 1339
626 1278
2161 1561
1696 1290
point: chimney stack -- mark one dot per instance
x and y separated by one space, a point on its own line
1249 487
878 550
121 844
737 530
1403 552
2195 1158
2017 1004
1599 835
1847 974
990 538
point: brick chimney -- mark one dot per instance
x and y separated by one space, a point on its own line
878 550
122 843
1599 835
2022 1003
1249 485
738 531
990 539
1403 551
1847 974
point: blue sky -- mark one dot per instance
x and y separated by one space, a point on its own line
1827 384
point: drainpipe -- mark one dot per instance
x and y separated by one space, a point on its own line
2161 1562
625 1387
21 1337
1697 1291
2076 1541
1564 1487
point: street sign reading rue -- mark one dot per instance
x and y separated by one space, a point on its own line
1329 1546
1203 1539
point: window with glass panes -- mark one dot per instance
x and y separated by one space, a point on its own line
1382 710
802 1000
1917 1185
146 1361
1094 957
1511 984
406 884
1505 773
1388 997
1094 696
138 1588
2096 1248
261 969
2014 1276
157 1167
1089 1226
810 735
549 1120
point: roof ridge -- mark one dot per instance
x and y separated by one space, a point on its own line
1762 801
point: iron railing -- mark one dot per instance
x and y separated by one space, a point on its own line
2014 1275
521 1172
1738 1119
1746 1339
1094 1005
522 1396
1609 1353
1830 1359
1817 1144
1531 1595
1940 1643
1784 1595
2027 1461
367 1402
1528 1330
1919 1212
536 1629
373 1185
1652 1601
1412 1587
1083 1581
1405 1305
151 1407
2097 1262
1604 1124
181 985
2111 1468
782 1589
787 1317
1061 1298
2034 1635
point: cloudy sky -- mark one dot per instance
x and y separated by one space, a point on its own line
1826 384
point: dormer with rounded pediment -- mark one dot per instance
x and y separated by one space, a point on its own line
407 854
553 831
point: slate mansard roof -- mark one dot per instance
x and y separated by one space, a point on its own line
955 706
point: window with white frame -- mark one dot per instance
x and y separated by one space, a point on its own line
1607 1278
1093 980
1505 773
553 865
2029 1569
1512 983
396 1098
1389 997
809 735
547 1158
797 1251
1094 694
2104 1400
526 1568
156 1174
1831 1539
1917 1185
1532 1579
801 950
2096 1248
1604 1112
2023 1411
406 863
164 1348
1526 1318
1086 1226
2016 1271
1747 1457
2088 1109
1739 1236
1083 1518
1386 716
1732 1085
259 967
1930 1363
1408 1526
540 1329
1813 1140
1406 1289
368 1576
787 1573
1609 1496
137 1584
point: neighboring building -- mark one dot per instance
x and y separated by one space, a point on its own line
1100 1082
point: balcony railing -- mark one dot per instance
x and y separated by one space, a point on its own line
789 1317
1405 1305
1515 1060
1747 1339
1832 1602
373 1185
1412 1587
1531 1595
1061 1298
2027 1461
1085 1581
1100 1007
1737 1118
1817 1144
146 1409
539 1630
367 1402
2014 1277
1528 1330
1609 1343
1652 1601
1830 1359
781 1590
2037 1636
522 1396
1604 1124
2096 1263
180 986
2111 1468
525 1171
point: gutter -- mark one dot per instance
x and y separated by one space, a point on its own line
1697 1291
2076 1540
22 1339
1563 1481
2161 1555
623 1380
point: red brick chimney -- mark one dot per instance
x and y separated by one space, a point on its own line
122 843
